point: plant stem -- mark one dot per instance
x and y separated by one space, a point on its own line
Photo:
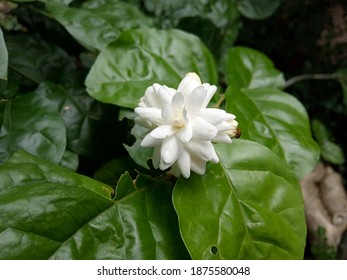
303 77
220 101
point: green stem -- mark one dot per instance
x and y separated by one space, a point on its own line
220 101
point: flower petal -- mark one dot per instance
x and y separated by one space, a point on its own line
224 126
222 137
163 131
203 130
197 165
213 116
197 97
183 164
150 98
201 149
168 113
185 134
188 84
170 151
211 90
178 100
149 141
165 95
150 114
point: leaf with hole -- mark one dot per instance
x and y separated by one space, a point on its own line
244 207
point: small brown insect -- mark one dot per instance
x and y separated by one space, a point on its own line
238 133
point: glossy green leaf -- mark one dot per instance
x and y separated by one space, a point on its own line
29 56
30 125
257 9
49 212
3 62
276 120
248 206
142 57
97 23
248 68
92 128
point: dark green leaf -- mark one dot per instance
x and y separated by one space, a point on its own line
69 160
92 127
215 22
29 56
257 9
30 125
248 206
248 68
97 23
319 131
278 121
330 151
141 57
51 212
3 63
111 171
23 168
170 13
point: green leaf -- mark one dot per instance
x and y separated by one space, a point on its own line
248 68
141 155
30 125
66 2
48 212
257 9
276 120
248 206
319 131
92 128
111 171
97 23
29 56
3 62
330 151
69 160
216 22
23 168
142 57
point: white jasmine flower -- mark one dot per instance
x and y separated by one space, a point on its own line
181 128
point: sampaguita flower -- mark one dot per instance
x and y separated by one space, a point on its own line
181 128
